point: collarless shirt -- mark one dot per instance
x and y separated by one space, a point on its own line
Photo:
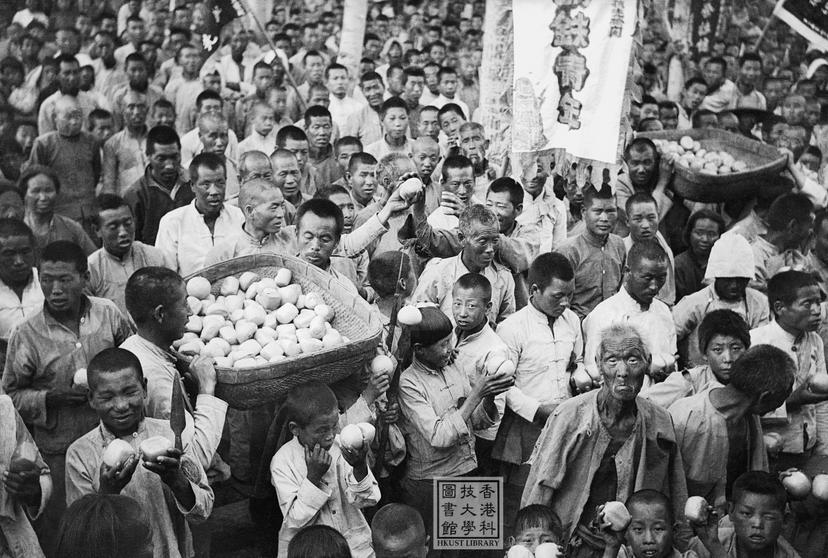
541 352
185 238
44 354
257 142
439 441
655 324
799 428
474 353
243 243
163 511
598 269
437 281
124 160
337 504
14 309
364 124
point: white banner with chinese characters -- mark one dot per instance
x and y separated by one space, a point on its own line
496 77
571 62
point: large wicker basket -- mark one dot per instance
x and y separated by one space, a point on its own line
250 387
762 178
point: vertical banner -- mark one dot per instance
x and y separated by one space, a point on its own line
496 77
809 18
353 29
571 62
679 17
707 20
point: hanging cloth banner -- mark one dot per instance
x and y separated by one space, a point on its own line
571 62
496 77
353 30
809 18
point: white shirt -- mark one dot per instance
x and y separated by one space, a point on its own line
192 146
185 239
437 281
257 142
337 505
14 310
808 354
473 354
381 148
654 324
541 355
341 109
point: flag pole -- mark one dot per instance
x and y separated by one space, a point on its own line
288 75
764 30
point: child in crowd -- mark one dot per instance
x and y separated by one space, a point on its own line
718 430
477 348
162 113
318 541
795 299
535 525
441 410
318 481
651 530
171 488
753 528
398 531
723 337
101 125
112 524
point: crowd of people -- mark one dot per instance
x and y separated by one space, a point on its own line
663 348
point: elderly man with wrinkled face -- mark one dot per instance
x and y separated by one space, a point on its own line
608 441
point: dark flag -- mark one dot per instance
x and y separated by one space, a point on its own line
707 22
222 12
809 18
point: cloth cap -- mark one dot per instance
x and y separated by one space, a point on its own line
731 256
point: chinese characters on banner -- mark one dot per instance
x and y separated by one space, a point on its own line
468 513
496 77
571 61
706 22
353 29
222 12
809 18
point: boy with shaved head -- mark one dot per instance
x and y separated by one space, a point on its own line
262 136
398 530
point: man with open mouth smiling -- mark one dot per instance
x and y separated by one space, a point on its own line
43 354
